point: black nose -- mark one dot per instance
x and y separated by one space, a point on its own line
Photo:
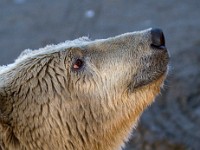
157 37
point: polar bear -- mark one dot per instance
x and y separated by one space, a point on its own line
81 94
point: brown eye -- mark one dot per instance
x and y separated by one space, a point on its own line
78 64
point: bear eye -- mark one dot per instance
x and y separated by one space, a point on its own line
78 64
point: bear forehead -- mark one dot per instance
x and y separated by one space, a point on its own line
49 49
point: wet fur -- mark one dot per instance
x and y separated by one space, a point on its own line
44 104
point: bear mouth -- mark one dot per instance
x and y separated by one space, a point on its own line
148 76
144 83
157 69
132 87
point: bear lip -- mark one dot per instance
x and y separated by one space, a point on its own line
163 75
162 47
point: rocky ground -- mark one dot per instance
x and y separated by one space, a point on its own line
173 121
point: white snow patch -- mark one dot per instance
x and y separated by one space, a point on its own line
89 13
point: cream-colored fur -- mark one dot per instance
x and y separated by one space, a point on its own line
47 104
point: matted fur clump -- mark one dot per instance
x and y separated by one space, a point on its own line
81 94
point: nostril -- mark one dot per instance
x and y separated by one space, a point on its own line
157 37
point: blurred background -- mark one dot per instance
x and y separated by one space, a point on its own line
173 121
